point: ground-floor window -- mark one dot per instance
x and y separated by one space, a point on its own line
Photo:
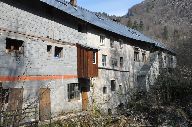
113 85
4 95
73 91
104 90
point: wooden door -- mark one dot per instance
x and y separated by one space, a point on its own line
44 104
15 99
84 99
15 103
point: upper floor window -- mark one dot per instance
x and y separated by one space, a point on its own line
121 43
73 91
112 43
58 52
136 54
165 59
13 45
104 60
114 62
49 48
171 60
80 28
113 85
94 57
121 62
102 40
144 59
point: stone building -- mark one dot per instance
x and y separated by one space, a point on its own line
57 57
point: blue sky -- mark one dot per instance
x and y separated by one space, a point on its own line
112 7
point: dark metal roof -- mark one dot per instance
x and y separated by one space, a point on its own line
102 22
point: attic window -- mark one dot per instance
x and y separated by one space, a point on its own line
112 43
136 54
144 59
102 40
58 52
13 45
121 44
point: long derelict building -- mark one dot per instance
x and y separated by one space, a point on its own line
56 57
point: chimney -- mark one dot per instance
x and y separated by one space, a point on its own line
73 2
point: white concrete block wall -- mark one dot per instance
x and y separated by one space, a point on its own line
36 61
42 63
22 21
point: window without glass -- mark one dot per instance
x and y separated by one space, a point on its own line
121 62
94 57
165 59
102 39
104 90
120 88
104 60
112 43
58 52
144 57
4 95
113 85
80 28
114 62
73 91
121 43
49 48
13 45
136 56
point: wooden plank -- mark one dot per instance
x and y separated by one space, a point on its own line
85 65
15 101
84 99
44 104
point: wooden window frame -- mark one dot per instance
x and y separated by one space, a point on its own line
121 62
94 57
104 61
73 90
102 40
114 62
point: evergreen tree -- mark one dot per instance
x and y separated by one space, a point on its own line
135 25
129 23
141 25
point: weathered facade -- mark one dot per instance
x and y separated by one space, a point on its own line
57 62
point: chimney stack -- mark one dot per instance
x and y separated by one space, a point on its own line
73 2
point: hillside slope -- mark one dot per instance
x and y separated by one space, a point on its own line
169 21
